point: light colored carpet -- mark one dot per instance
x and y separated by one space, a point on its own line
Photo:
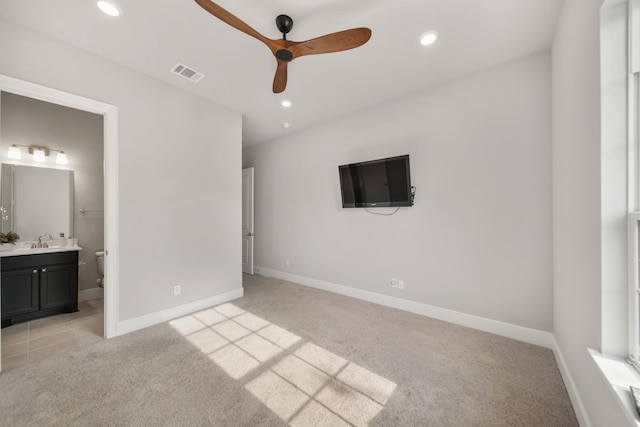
285 354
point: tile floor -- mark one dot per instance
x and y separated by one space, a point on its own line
34 341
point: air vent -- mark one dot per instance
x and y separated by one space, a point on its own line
186 72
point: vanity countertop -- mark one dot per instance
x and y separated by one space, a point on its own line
24 248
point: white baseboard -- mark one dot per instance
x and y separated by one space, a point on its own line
570 385
520 333
89 294
151 319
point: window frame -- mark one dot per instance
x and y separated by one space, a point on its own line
633 175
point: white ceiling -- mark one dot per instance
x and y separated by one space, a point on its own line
153 35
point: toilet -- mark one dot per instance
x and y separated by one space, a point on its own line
100 261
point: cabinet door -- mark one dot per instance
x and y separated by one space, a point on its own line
58 285
19 292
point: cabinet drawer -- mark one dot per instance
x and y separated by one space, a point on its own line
29 260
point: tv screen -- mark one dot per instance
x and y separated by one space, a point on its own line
376 183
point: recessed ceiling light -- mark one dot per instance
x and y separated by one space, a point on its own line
286 103
110 8
429 38
286 125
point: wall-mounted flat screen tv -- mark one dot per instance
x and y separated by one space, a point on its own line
376 183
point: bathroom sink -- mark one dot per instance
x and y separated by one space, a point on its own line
29 248
20 246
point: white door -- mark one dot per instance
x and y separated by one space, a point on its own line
247 220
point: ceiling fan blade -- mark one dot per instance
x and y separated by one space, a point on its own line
232 20
280 79
334 42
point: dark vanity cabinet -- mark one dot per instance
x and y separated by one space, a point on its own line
39 285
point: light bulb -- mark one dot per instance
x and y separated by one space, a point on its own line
61 158
38 155
14 153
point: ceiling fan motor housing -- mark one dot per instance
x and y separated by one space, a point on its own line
284 23
284 55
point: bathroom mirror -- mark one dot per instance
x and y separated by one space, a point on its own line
36 201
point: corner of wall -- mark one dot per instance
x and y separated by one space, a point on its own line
151 319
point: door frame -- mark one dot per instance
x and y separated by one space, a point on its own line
251 174
110 124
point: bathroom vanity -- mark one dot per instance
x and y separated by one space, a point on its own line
38 282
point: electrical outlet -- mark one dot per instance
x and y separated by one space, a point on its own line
394 283
400 284
176 290
286 263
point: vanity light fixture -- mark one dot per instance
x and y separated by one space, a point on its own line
39 154
110 8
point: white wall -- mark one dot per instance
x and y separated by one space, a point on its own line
478 239
79 134
179 177
577 224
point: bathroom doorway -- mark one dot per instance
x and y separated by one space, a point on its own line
102 211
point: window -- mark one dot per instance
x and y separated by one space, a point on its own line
634 289
633 119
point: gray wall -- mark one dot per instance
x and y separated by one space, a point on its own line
478 239
79 134
179 173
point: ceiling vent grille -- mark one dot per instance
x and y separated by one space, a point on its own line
186 72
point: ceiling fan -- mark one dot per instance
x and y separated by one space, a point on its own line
285 50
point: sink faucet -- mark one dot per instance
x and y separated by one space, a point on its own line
42 244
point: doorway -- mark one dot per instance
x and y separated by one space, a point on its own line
110 126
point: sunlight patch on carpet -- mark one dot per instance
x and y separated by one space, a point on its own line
350 404
229 310
209 317
278 336
301 374
258 347
251 321
321 358
231 330
277 394
307 386
235 340
187 325
234 361
368 383
316 415
207 340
